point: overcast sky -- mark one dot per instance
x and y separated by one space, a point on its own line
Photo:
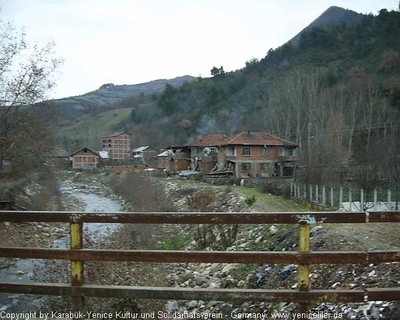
135 41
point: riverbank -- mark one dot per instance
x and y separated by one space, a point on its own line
138 193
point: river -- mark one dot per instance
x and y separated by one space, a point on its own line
28 270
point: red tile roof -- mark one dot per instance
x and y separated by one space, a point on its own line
242 138
256 139
214 139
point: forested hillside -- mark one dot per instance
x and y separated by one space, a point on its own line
336 93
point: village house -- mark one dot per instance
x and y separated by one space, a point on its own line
243 155
204 152
145 155
85 158
118 146
174 159
257 154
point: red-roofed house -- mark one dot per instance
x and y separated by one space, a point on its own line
85 158
204 152
246 154
257 154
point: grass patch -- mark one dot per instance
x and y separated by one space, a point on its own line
243 271
269 202
176 242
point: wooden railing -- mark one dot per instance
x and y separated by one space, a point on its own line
304 295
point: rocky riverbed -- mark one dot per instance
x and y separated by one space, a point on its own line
193 196
275 276
75 196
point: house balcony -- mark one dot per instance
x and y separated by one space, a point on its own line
289 158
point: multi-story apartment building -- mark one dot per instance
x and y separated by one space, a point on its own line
118 146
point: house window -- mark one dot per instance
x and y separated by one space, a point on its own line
264 151
284 152
245 151
230 151
246 166
265 167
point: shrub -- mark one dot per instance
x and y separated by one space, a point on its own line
250 200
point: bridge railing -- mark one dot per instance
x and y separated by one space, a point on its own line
303 295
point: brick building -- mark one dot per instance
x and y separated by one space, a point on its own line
257 154
85 158
118 146
204 151
245 154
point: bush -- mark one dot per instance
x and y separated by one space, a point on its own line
250 200
275 189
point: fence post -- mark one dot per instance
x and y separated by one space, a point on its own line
305 192
294 193
304 269
362 200
389 200
316 194
298 192
78 302
291 189
332 202
324 195
350 199
311 193
340 197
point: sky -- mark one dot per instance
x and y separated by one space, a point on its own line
136 41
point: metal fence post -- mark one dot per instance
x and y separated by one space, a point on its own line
340 198
304 269
294 192
291 189
77 280
350 199
362 206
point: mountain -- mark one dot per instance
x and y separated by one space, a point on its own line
109 94
333 16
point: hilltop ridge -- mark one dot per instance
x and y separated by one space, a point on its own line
333 16
110 93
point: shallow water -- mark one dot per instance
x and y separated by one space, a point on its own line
27 270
